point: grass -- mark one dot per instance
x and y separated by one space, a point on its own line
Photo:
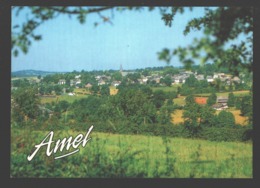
179 101
225 94
81 91
68 98
115 155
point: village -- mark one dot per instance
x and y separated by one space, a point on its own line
176 80
156 77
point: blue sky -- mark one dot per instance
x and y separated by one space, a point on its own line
133 41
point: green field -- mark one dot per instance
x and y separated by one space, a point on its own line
236 93
179 101
25 77
113 155
68 98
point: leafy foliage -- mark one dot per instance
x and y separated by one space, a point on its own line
218 31
231 100
25 104
212 99
247 107
226 119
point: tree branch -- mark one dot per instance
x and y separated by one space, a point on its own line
86 11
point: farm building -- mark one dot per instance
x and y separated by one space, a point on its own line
219 106
222 100
88 85
201 100
62 82
209 79
115 83
221 103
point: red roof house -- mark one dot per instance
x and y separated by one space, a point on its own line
201 100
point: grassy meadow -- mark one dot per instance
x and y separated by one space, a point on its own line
225 94
115 155
68 98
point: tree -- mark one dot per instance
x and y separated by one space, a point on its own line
203 84
212 99
136 106
226 119
95 89
247 106
238 101
146 72
105 91
218 32
207 117
231 100
191 117
189 100
87 109
42 90
191 81
117 76
57 89
165 55
20 82
25 104
134 77
164 115
158 98
63 105
170 70
167 80
218 84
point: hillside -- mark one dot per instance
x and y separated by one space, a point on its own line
29 73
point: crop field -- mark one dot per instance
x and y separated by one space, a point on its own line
177 117
113 90
81 91
115 155
242 120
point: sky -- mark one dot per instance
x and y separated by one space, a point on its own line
132 41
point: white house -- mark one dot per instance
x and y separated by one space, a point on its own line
71 94
209 79
62 82
77 77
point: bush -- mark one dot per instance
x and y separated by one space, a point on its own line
226 119
214 133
